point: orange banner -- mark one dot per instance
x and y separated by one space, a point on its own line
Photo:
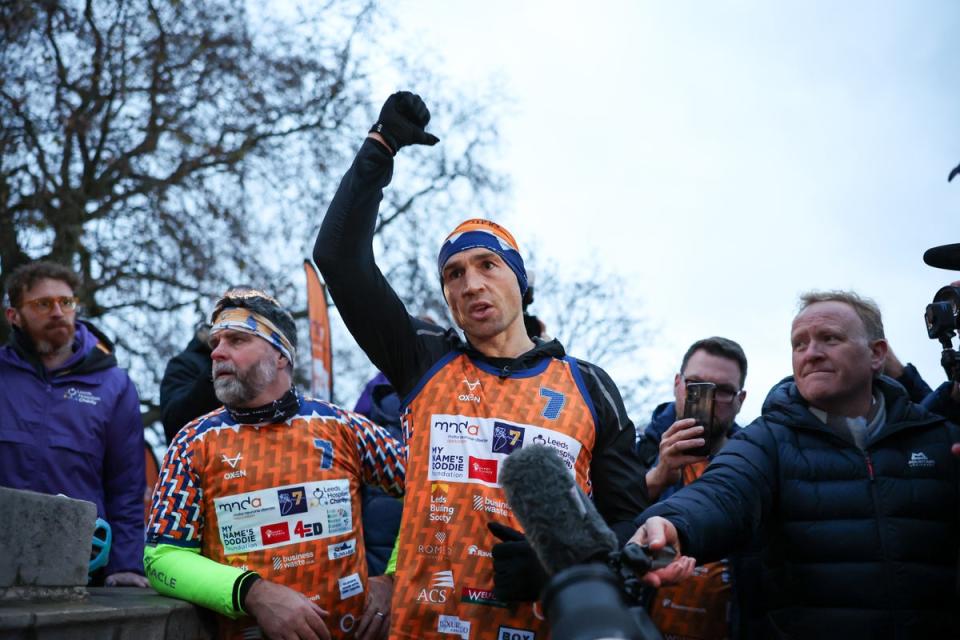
321 352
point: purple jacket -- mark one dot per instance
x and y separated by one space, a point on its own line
76 431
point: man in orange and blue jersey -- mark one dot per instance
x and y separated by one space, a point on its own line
468 403
256 514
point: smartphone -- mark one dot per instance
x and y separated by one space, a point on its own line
699 406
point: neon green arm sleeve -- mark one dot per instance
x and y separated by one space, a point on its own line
184 574
392 562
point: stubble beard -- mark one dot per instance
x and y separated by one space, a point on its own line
243 386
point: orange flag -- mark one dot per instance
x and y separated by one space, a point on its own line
321 353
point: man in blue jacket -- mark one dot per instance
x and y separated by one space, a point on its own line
69 417
851 485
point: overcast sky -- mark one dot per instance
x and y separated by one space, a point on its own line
723 157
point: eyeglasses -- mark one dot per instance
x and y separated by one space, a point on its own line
723 393
45 305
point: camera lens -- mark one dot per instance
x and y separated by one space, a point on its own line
585 603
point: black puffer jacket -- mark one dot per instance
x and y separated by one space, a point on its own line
860 543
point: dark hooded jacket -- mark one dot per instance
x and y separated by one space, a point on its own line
381 511
859 543
77 431
186 390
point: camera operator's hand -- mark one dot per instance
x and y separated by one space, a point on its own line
402 121
659 532
682 435
518 575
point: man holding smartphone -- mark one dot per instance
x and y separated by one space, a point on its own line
677 444
670 437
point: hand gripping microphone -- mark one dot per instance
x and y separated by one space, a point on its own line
560 522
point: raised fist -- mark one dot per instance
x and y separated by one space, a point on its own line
402 121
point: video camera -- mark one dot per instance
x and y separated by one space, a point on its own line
943 322
942 316
595 587
592 601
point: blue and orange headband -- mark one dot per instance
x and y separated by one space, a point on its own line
228 314
479 233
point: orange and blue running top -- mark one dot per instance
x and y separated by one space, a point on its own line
462 422
280 499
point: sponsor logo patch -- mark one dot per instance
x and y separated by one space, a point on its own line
473 595
483 470
293 500
338 520
436 550
440 510
350 586
510 633
233 462
274 533
474 550
454 625
507 438
242 505
472 393
439 589
236 539
491 505
342 549
444 465
289 562
562 445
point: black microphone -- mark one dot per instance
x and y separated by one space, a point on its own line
945 256
559 520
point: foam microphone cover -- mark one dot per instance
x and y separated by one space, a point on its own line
945 256
560 521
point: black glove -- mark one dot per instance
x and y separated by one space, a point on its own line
402 121
517 573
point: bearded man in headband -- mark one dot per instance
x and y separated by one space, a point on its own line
257 512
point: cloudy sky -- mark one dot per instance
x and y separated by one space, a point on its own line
722 157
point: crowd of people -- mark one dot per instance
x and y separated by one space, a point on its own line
835 514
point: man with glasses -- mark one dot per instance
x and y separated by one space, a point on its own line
69 417
667 440
715 602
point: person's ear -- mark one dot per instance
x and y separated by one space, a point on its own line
13 316
878 355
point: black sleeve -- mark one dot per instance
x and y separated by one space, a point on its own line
617 473
370 308
186 392
913 382
725 507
